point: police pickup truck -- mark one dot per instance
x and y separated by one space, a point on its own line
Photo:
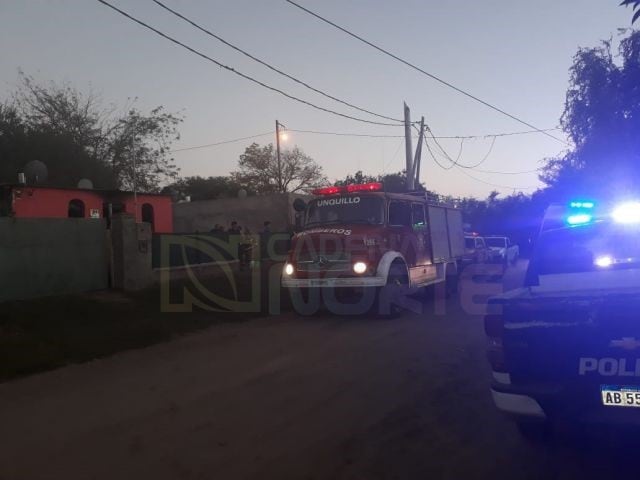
566 346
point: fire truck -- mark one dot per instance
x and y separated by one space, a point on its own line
360 237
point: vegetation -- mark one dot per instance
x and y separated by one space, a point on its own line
635 5
260 171
602 118
76 137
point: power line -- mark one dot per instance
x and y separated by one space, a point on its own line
271 67
453 137
424 72
469 175
456 161
495 184
233 70
221 143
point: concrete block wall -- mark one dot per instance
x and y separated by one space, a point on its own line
51 256
201 216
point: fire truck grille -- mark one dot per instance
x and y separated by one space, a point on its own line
324 263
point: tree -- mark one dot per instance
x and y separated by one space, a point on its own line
357 178
635 4
258 170
76 137
602 118
143 140
200 188
393 182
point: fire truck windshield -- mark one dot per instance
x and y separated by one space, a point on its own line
345 210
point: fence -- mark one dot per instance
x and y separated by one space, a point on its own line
51 256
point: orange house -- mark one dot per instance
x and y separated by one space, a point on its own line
35 201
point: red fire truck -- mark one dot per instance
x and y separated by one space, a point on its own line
361 237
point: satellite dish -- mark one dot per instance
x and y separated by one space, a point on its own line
85 184
36 172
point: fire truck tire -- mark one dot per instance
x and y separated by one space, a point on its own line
388 298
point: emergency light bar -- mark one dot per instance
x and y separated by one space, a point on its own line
361 187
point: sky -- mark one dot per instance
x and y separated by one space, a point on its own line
513 54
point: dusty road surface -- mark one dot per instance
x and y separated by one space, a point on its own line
287 397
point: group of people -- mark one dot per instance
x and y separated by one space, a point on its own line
246 242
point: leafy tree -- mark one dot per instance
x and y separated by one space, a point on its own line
635 4
356 178
76 137
258 169
200 188
137 146
393 182
602 118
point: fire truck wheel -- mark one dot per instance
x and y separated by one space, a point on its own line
388 302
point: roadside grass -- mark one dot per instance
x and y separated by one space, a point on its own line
46 333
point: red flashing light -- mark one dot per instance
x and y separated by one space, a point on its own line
365 187
362 187
326 191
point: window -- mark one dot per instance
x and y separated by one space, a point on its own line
399 214
147 214
417 216
76 209
469 242
345 210
480 243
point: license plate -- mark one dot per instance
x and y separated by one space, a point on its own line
620 396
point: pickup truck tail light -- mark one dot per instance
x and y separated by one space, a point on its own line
494 328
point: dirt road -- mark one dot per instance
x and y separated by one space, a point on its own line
283 397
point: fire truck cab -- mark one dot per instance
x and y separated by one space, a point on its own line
362 236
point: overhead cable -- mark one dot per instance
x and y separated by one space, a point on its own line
240 74
270 67
424 72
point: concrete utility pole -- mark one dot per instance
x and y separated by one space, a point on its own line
278 154
408 147
416 160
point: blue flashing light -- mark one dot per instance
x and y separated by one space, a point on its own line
579 219
582 205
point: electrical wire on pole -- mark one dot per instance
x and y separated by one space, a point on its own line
269 66
243 75
424 72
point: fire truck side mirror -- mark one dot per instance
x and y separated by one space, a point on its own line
299 205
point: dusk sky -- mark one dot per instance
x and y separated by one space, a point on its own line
513 54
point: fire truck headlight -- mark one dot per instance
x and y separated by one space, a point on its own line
288 269
359 267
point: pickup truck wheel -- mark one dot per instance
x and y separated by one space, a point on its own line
535 432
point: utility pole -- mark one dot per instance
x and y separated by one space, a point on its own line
278 155
416 160
135 185
408 147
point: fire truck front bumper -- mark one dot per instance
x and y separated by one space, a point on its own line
336 282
